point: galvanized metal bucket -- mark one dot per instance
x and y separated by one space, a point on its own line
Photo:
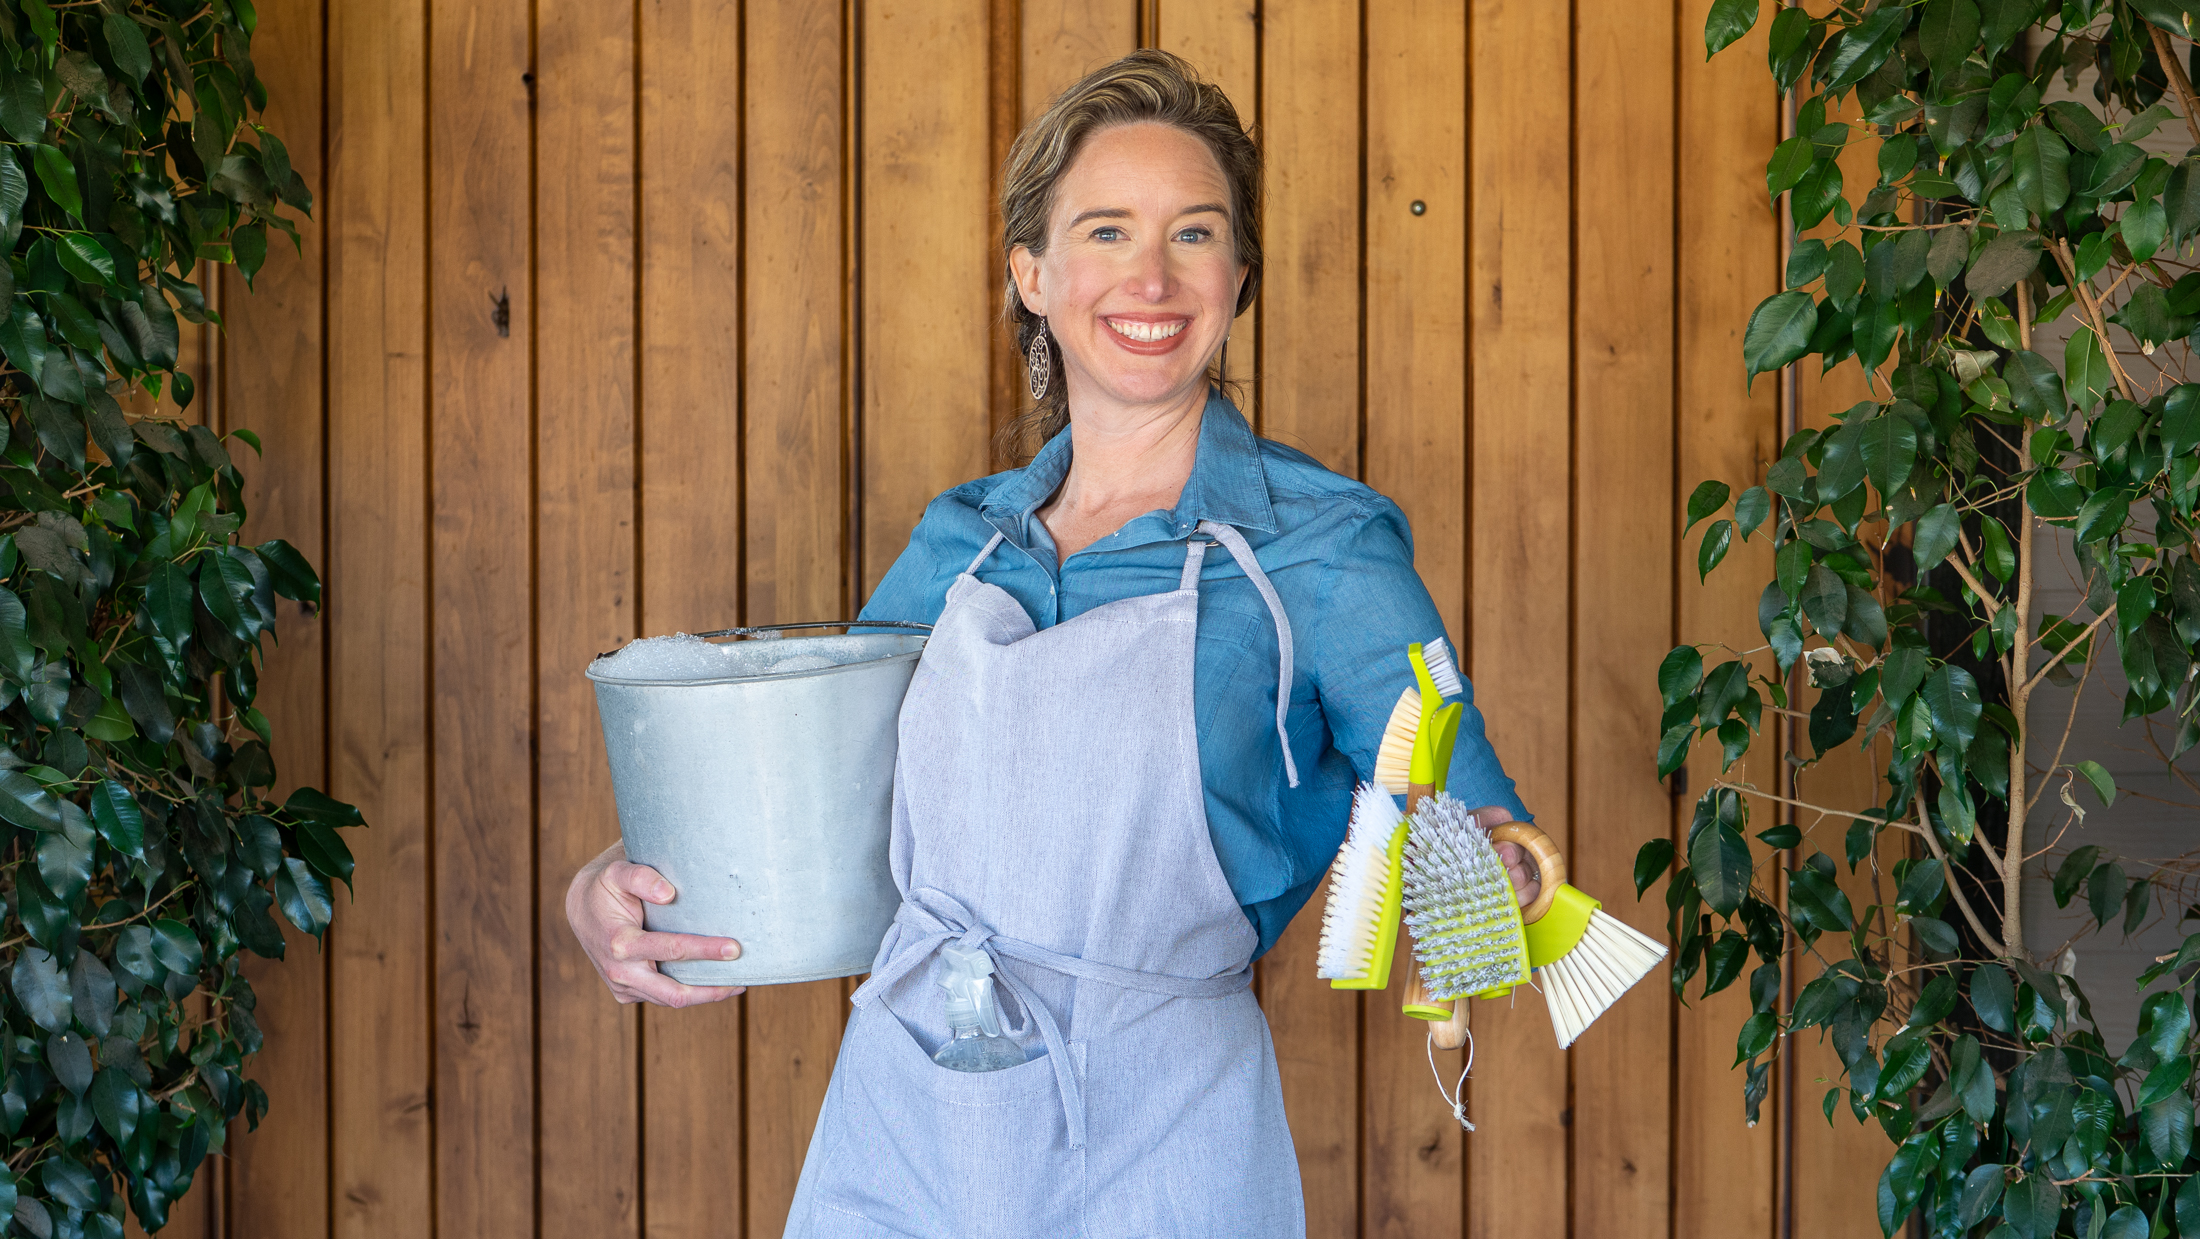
763 791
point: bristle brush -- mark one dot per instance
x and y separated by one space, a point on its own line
1468 936
1584 958
1360 923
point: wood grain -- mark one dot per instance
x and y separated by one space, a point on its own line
1416 415
1309 350
1728 262
1222 40
278 1175
1623 587
795 399
927 259
692 497
1519 533
377 615
1310 293
1063 40
586 596
482 618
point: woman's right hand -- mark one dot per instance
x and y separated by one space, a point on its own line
604 907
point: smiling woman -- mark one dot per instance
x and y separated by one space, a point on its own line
1124 763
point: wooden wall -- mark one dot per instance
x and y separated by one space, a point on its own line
618 319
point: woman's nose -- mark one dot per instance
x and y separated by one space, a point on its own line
1149 278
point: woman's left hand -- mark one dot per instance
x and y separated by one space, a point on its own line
1525 884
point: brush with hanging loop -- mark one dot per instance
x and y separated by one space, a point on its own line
1428 766
1584 958
1360 924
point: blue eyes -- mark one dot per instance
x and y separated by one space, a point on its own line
1190 236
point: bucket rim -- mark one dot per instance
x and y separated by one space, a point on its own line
910 655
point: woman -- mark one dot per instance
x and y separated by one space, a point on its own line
1164 652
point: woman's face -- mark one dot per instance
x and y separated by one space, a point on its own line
1140 277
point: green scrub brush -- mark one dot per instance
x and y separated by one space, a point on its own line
1360 925
1468 935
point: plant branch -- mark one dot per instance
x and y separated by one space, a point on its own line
1821 810
2176 70
2084 289
2052 663
1962 901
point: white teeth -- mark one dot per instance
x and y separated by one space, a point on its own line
1146 332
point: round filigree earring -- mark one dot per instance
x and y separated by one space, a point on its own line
1039 362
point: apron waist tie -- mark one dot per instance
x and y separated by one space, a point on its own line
938 917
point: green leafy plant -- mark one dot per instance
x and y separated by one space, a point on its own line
139 849
2013 195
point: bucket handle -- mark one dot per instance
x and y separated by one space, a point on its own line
764 628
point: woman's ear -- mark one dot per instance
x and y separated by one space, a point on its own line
1023 266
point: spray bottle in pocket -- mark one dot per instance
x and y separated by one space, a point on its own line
974 1014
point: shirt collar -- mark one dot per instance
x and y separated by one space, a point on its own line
1228 484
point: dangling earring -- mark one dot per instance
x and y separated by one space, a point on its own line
1039 362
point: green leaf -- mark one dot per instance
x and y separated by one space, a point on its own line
1729 20
2105 891
307 804
1707 498
2188 1206
126 44
1994 998
2167 1125
304 897
1719 858
1863 47
1981 1187
2180 428
1995 552
1791 565
1756 1036
1651 862
1841 466
1680 673
1844 274
2181 200
168 602
42 988
1944 261
2086 368
2104 785
1825 600
1817 194
1715 542
1947 34
1922 886
1936 535
115 811
1790 161
2033 1206
1952 697
294 577
2073 871
58 176
1751 510
176 947
1908 1054
2166 1081
1779 332
22 113
2007 258
2040 163
1889 445
1807 261
2144 227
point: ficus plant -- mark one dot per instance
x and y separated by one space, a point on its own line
141 850
2014 192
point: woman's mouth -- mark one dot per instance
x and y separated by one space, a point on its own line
1146 335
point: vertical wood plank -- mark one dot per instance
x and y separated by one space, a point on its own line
1623 544
1413 1169
1222 40
481 310
1520 532
794 400
1063 40
928 263
693 1172
278 1175
1728 262
1310 353
590 1144
1310 399
377 615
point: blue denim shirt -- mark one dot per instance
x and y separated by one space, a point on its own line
1340 557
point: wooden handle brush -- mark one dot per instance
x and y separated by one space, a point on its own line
1584 959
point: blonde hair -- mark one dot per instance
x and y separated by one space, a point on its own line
1147 85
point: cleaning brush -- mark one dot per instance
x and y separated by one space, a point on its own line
1394 760
1360 925
1468 936
1584 959
1442 672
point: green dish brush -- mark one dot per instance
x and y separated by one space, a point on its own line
1468 936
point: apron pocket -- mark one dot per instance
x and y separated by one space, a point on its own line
924 1151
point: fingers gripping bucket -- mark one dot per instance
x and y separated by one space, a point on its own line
758 777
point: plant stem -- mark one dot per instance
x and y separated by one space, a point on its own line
2084 289
2020 676
2176 71
1932 844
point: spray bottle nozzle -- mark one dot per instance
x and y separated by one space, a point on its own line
969 986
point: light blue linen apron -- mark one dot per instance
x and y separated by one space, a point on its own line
1048 807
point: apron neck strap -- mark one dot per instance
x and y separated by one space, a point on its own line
998 537
1195 555
1234 542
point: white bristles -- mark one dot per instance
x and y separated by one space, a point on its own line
1394 760
1584 983
1358 883
1442 671
1459 903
